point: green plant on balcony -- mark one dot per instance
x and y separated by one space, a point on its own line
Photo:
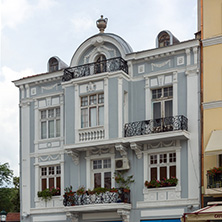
161 183
122 180
48 193
99 190
81 190
68 191
214 171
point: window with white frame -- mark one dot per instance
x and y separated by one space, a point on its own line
162 100
50 123
92 110
50 177
162 165
101 173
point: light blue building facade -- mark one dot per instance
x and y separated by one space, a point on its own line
113 110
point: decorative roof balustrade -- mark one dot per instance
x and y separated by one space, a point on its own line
109 65
119 196
166 124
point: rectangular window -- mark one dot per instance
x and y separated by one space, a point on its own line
92 110
101 173
162 102
50 123
50 177
162 165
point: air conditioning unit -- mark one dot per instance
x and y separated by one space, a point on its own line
122 164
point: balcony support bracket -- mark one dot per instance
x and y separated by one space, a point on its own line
74 155
125 214
73 216
137 148
122 149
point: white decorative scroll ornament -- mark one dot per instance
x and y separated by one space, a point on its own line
162 144
159 65
137 148
49 87
125 214
49 158
74 155
91 87
73 216
100 151
121 149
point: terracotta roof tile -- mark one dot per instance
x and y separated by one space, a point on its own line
13 217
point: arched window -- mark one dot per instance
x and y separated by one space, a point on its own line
100 65
53 65
164 40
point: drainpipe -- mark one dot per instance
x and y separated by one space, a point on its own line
201 102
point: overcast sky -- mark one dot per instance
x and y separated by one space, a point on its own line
32 31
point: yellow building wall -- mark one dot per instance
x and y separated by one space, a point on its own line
212 72
212 121
212 18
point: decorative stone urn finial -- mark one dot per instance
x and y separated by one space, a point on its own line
101 24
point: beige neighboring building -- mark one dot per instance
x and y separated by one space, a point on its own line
210 30
211 36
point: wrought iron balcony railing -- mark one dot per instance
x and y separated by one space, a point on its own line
109 65
166 124
73 199
214 181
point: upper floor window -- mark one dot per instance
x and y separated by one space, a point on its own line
50 123
101 173
162 165
162 102
53 65
50 177
164 39
100 65
92 110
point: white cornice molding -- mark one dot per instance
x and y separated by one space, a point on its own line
95 78
156 52
167 203
153 137
39 78
212 41
212 105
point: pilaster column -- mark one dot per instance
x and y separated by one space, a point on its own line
188 56
195 50
193 109
27 90
148 98
25 154
77 113
106 108
120 107
175 94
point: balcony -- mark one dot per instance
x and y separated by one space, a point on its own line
172 123
87 198
109 65
214 181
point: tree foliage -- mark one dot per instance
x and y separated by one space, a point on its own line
9 196
5 174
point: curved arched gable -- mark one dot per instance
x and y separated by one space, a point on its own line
109 45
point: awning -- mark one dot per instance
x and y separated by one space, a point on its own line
214 146
213 212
